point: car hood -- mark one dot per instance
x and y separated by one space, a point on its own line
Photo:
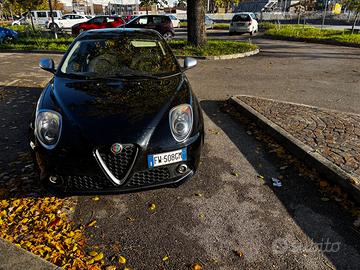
107 111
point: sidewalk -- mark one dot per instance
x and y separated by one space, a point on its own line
327 140
15 258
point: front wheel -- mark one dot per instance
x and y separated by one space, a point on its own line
168 36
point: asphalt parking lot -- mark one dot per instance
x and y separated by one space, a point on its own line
225 210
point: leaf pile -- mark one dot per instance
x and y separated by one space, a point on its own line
40 226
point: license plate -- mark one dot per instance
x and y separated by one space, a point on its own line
157 160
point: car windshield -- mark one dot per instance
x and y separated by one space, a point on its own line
116 57
241 18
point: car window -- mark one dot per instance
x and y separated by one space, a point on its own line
120 57
54 14
241 18
157 20
77 17
143 20
41 14
110 20
88 17
97 20
65 17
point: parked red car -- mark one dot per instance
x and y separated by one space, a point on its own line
98 22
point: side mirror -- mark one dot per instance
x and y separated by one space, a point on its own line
47 64
189 62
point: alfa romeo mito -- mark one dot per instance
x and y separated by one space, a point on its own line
118 115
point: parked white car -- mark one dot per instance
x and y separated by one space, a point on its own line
244 22
67 21
175 21
40 17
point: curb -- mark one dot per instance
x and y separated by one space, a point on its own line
219 57
312 40
224 57
16 258
302 151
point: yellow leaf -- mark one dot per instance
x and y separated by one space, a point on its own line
99 257
152 206
93 253
110 267
196 266
122 260
239 253
96 198
165 258
91 261
92 223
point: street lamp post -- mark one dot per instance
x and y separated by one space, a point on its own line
324 14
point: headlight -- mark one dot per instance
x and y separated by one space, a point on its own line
181 122
48 128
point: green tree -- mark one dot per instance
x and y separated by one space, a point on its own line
227 4
354 5
148 3
196 23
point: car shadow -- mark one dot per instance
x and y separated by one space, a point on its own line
17 175
321 221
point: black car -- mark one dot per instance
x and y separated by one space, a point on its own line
160 23
118 115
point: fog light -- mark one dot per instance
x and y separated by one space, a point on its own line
53 179
182 168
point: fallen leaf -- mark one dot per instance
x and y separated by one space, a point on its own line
99 257
93 253
198 195
323 184
122 260
324 199
238 253
152 206
96 198
165 258
235 173
110 267
92 223
196 266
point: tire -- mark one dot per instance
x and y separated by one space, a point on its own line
168 36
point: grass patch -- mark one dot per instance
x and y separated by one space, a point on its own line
212 48
219 26
179 47
305 32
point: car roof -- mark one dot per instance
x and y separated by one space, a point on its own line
120 31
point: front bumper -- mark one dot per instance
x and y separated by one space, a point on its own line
83 173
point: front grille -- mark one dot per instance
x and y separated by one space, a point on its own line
120 164
149 177
87 183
